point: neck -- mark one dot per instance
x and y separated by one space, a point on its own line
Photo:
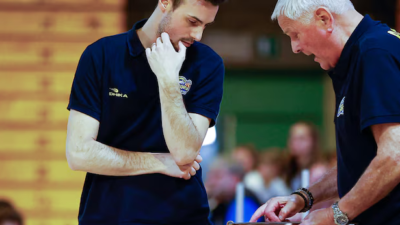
148 34
348 22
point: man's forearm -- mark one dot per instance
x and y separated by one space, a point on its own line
380 178
95 157
181 135
326 187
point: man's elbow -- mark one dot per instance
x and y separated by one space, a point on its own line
75 159
185 157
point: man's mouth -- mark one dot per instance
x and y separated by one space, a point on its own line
187 44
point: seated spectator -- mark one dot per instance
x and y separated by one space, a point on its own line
303 146
220 184
247 157
270 167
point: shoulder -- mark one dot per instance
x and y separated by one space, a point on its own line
380 40
202 53
108 43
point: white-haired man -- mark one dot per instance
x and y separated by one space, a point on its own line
363 59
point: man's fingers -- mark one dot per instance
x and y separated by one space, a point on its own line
165 39
148 52
196 165
259 212
192 171
187 176
182 49
289 210
199 158
153 47
159 43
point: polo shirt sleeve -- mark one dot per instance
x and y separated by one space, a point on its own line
207 96
85 93
380 97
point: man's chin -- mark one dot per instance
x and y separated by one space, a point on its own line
324 66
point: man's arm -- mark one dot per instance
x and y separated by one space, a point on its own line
184 133
84 153
381 176
280 208
326 187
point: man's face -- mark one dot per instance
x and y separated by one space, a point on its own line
187 22
311 39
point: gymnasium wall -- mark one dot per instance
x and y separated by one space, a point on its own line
40 44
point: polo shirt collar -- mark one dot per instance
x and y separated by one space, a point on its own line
134 44
340 70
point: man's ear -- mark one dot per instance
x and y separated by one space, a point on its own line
324 19
164 4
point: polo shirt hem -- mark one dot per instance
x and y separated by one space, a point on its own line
380 120
203 111
84 109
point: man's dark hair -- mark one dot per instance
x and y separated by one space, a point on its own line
177 3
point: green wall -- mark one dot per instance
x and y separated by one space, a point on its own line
263 105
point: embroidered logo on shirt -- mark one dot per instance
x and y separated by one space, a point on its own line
184 85
341 108
394 32
115 93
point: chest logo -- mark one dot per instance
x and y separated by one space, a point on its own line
115 93
394 32
184 85
341 108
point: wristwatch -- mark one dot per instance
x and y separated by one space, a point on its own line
339 216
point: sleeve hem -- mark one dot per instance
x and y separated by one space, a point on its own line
84 109
379 120
204 111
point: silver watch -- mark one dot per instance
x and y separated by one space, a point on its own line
339 216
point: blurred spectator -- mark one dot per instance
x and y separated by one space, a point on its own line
247 157
220 184
8 215
303 146
270 166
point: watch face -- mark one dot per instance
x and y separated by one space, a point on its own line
342 220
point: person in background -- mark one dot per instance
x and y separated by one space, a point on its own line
303 146
247 157
270 166
221 182
9 215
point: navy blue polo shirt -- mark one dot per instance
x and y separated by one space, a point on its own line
366 81
115 85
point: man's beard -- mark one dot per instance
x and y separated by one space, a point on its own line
165 26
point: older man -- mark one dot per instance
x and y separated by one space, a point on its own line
363 59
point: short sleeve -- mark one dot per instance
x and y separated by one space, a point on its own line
85 93
207 96
380 96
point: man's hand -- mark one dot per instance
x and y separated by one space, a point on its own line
320 217
164 61
173 170
279 208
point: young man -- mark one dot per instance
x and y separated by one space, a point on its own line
363 59
138 119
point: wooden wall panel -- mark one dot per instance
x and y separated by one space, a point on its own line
55 171
41 42
20 54
61 23
50 200
50 83
72 2
32 142
33 111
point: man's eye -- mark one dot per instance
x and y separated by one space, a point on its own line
192 21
